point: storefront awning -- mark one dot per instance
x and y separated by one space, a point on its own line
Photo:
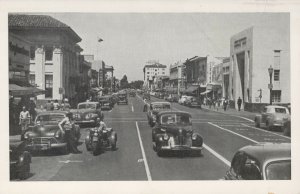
191 89
206 92
16 90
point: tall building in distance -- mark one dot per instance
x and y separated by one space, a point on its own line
252 52
152 70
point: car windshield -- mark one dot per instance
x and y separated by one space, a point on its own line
86 106
175 119
279 170
50 118
161 106
280 110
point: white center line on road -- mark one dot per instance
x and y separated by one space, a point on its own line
266 131
143 153
217 155
233 132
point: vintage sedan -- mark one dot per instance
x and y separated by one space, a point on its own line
122 98
45 134
87 113
154 109
106 102
20 160
173 132
272 116
265 161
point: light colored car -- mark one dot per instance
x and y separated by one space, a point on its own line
272 116
182 99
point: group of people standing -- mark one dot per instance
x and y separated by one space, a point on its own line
55 105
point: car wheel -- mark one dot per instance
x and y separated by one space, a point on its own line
24 171
257 124
268 127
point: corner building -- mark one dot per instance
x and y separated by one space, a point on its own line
252 52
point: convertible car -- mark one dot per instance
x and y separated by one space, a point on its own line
173 131
154 109
272 116
266 161
87 113
45 133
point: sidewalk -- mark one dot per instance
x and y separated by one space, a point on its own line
230 111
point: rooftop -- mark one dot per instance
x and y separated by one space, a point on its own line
24 21
156 65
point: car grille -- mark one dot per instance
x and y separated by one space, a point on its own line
182 140
43 140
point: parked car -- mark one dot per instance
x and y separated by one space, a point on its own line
182 99
122 98
19 160
173 132
272 116
45 134
87 113
192 101
106 102
172 98
269 161
154 109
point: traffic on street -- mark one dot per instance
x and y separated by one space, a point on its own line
134 157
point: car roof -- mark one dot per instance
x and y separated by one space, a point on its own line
274 106
268 151
172 112
53 112
88 103
158 103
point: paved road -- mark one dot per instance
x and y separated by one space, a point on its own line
135 159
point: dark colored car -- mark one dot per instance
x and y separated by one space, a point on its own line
154 109
122 98
87 113
45 134
19 160
173 131
106 102
146 96
269 161
193 102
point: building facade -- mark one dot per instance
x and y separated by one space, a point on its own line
252 52
226 78
152 70
53 54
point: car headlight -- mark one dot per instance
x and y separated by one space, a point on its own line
194 136
58 134
166 137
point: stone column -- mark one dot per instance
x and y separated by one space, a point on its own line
58 73
40 69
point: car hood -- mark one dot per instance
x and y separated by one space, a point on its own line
44 130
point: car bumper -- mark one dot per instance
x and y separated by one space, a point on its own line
85 122
35 147
180 147
106 107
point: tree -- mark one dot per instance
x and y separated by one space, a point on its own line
124 82
136 84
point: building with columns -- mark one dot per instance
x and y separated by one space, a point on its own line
252 52
54 54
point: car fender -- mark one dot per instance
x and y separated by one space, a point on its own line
113 135
24 158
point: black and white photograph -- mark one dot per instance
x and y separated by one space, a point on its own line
149 96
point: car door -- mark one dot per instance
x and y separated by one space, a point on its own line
264 115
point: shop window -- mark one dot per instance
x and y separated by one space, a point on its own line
48 53
276 95
49 86
32 79
276 75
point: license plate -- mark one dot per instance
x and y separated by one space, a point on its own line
95 138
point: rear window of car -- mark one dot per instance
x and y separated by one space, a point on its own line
175 119
86 106
279 170
161 106
280 110
50 118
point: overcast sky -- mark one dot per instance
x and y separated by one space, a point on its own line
130 39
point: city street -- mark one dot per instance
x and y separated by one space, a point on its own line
135 159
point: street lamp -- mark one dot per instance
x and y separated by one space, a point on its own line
270 70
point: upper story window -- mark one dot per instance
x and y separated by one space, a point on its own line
276 58
276 75
32 52
48 53
240 43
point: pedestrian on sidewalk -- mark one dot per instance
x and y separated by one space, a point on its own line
145 106
225 104
239 103
32 110
24 120
56 105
